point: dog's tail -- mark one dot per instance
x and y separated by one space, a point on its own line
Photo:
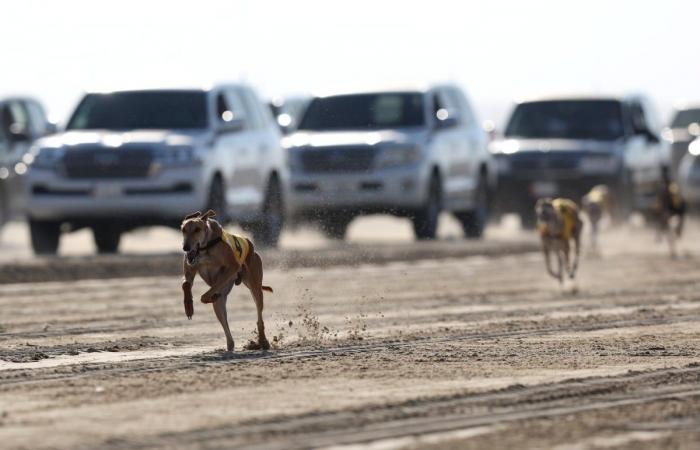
267 288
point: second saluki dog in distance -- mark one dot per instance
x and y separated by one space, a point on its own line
559 225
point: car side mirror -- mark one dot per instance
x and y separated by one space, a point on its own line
231 126
446 122
648 135
19 136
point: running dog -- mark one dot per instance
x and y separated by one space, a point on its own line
559 224
222 260
596 204
669 211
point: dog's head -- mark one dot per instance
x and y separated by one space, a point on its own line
545 212
195 232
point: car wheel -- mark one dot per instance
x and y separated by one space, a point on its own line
106 238
474 222
217 200
45 236
425 221
335 226
270 227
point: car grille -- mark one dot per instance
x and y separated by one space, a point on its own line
99 162
545 161
338 159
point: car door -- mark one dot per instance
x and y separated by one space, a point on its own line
454 148
231 148
472 145
18 137
645 146
261 145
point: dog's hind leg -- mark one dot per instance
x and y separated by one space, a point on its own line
254 283
560 264
220 311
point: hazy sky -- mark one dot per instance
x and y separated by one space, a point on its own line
498 50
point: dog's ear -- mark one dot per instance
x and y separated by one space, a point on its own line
193 216
207 215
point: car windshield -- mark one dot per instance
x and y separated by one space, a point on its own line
364 111
686 117
567 119
141 110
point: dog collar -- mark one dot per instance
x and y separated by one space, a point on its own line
211 243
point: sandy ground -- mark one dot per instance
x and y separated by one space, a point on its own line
474 352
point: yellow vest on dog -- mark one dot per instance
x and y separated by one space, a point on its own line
566 209
238 244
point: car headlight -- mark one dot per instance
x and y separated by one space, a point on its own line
694 147
46 158
597 164
398 156
177 156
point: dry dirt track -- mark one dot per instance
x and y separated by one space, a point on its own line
470 352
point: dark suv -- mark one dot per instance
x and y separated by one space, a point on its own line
565 146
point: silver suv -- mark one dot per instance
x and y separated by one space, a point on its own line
410 153
136 158
22 120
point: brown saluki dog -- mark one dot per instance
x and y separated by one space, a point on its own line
559 224
222 260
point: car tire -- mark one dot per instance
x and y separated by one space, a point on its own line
45 236
106 239
474 222
335 226
425 221
217 200
268 230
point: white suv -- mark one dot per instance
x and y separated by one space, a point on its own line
137 158
411 153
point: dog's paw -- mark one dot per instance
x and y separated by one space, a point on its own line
252 345
212 298
189 308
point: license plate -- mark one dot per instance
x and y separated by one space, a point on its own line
341 187
106 190
543 188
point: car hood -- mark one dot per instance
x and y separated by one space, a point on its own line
70 139
353 138
508 146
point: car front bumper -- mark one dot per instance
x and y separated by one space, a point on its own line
390 190
167 196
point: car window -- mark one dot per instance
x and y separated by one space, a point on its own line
466 115
639 120
364 111
439 104
15 118
141 110
567 119
252 110
235 105
38 118
685 117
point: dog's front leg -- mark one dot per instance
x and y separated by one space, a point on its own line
560 265
577 254
187 281
547 259
225 278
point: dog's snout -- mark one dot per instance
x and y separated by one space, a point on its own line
186 247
